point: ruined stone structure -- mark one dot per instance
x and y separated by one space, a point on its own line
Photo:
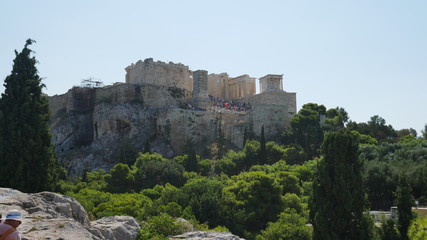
271 83
220 85
169 106
177 75
160 74
200 89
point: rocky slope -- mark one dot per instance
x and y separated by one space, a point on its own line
53 216
206 235
90 127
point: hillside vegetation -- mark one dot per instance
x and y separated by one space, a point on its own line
318 182
262 191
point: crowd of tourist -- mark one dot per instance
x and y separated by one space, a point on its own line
230 105
219 103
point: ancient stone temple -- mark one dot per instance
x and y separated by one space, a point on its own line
271 82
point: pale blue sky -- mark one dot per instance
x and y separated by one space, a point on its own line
369 57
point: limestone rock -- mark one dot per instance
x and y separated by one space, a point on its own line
116 227
206 235
54 216
91 126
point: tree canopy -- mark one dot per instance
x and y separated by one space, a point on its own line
337 203
28 160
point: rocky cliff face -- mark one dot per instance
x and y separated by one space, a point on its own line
91 126
53 216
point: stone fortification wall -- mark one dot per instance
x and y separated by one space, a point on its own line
147 94
84 99
76 99
90 125
274 118
200 90
160 74
280 98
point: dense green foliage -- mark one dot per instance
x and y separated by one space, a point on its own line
263 191
335 167
337 203
290 226
245 203
404 207
27 156
388 230
418 229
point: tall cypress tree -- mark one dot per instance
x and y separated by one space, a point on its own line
337 201
262 148
27 157
404 207
190 163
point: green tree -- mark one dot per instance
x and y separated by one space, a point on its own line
162 226
27 157
388 230
404 207
129 204
424 132
220 140
204 198
306 129
379 130
335 118
191 161
379 179
152 169
127 152
251 201
418 229
290 226
204 167
120 179
294 154
337 202
147 147
262 148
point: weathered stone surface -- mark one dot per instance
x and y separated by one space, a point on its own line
117 227
54 216
206 235
90 126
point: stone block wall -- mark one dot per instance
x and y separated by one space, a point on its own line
160 74
274 118
274 98
200 89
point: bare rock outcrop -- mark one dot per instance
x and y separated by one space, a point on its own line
206 235
55 216
91 127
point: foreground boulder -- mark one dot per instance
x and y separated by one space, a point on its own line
206 235
54 216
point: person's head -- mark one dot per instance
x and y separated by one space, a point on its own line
13 218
